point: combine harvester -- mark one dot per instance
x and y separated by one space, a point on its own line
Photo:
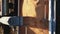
18 21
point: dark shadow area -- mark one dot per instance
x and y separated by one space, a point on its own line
58 17
5 29
16 7
10 6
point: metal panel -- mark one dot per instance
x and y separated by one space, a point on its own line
12 21
52 16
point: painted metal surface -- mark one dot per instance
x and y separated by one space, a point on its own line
52 16
11 21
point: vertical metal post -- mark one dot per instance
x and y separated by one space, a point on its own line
52 17
17 27
49 16
4 7
20 18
